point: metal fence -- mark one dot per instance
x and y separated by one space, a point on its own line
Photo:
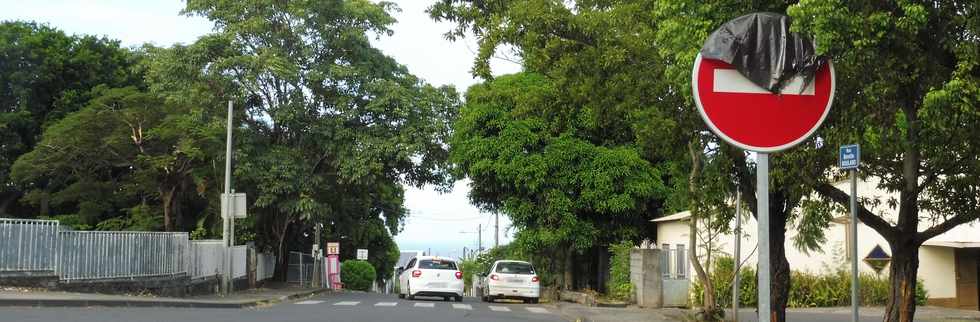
28 245
205 258
300 270
239 257
265 266
121 254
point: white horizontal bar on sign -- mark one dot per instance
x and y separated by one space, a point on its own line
730 81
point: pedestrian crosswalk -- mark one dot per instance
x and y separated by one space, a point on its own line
430 305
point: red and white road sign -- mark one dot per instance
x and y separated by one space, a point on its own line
749 117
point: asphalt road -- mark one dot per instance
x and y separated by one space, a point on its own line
346 307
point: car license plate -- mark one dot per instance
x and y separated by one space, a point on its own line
437 285
515 280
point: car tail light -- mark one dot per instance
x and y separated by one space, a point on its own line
494 277
534 279
416 273
459 275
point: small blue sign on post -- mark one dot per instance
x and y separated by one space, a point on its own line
850 157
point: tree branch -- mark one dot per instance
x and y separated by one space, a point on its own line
945 226
866 216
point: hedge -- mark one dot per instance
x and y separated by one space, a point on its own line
828 289
357 275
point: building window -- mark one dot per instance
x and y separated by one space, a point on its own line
681 262
665 260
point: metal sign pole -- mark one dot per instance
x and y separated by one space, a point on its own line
738 252
762 195
226 213
854 262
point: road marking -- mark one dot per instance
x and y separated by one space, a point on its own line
499 308
347 303
425 304
462 307
537 310
308 302
386 304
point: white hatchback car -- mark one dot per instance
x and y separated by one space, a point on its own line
431 276
509 279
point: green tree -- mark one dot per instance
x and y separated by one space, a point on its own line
125 142
907 91
564 189
332 127
47 75
624 68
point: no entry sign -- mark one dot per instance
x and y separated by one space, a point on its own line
752 118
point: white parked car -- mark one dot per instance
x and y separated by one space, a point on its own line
431 276
508 279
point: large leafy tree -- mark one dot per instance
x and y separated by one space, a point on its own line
46 75
908 75
326 114
623 67
564 189
126 146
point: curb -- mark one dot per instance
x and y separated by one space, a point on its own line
155 303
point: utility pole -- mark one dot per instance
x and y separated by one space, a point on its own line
229 223
479 237
317 257
496 229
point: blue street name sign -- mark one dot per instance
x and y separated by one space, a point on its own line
850 157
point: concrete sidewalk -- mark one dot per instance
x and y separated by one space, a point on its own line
580 313
243 299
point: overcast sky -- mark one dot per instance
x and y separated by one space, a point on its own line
443 222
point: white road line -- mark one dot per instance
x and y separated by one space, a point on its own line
347 303
499 308
537 310
462 307
425 304
386 304
308 302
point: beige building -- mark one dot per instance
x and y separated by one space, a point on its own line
947 263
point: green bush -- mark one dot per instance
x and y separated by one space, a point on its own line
469 268
357 275
806 290
619 285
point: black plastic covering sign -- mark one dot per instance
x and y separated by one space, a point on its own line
762 49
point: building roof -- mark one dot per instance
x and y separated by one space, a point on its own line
683 215
952 244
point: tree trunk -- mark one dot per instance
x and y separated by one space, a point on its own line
904 269
708 304
167 196
778 265
569 264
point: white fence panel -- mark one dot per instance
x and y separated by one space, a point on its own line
206 258
121 254
28 245
265 266
238 260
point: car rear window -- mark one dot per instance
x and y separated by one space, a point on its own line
437 264
515 268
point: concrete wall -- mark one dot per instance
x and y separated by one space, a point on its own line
938 278
646 277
